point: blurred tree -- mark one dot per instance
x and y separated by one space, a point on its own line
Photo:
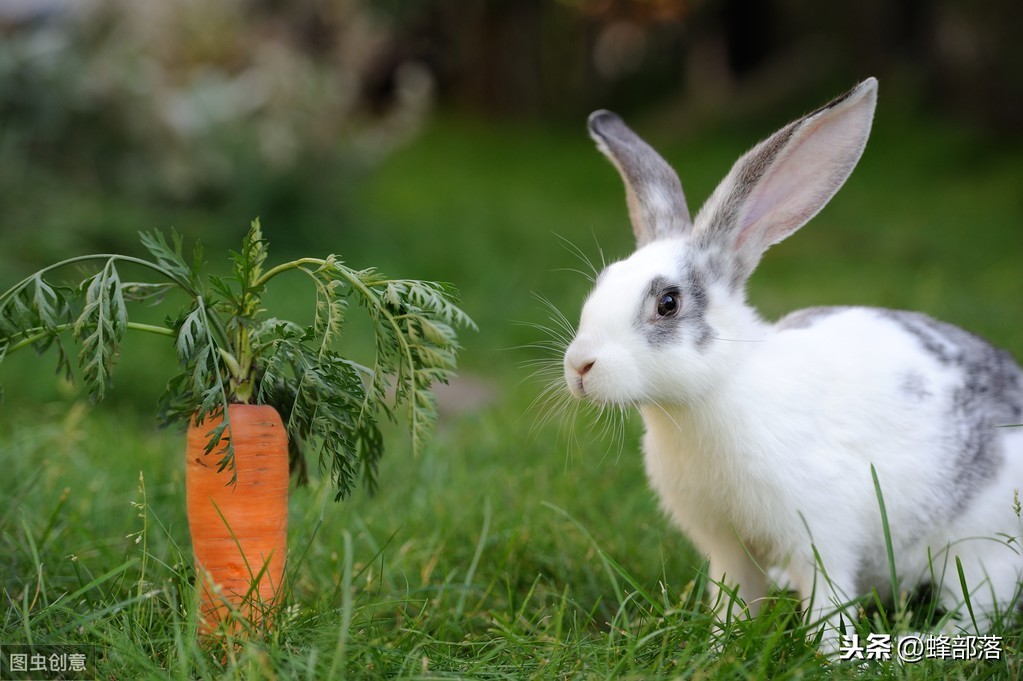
186 90
533 57
977 59
247 106
236 106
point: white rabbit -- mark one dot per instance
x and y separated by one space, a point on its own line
760 437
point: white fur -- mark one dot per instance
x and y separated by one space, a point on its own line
760 442
774 462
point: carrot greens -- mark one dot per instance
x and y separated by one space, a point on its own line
229 350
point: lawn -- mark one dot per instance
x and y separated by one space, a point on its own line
517 545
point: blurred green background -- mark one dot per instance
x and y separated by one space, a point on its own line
445 139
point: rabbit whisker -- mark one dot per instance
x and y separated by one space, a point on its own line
557 317
572 248
585 275
600 250
647 400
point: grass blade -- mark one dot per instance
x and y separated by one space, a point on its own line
887 533
338 666
460 608
966 592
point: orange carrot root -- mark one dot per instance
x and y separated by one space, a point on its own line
239 532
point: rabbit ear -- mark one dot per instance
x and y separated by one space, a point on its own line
785 180
657 206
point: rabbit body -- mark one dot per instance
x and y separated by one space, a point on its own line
775 462
760 438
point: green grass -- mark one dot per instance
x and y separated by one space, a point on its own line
507 550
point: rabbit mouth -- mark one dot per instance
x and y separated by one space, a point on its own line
576 384
578 388
585 391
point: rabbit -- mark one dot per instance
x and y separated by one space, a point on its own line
762 439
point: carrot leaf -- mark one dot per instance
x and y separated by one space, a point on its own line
100 328
170 258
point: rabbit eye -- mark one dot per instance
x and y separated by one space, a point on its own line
668 304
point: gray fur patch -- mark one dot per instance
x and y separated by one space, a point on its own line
696 312
986 395
804 319
691 319
721 267
915 386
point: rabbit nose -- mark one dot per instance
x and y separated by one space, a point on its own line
579 360
583 366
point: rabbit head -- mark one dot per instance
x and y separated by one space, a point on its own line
663 325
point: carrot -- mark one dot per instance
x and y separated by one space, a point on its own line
239 531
